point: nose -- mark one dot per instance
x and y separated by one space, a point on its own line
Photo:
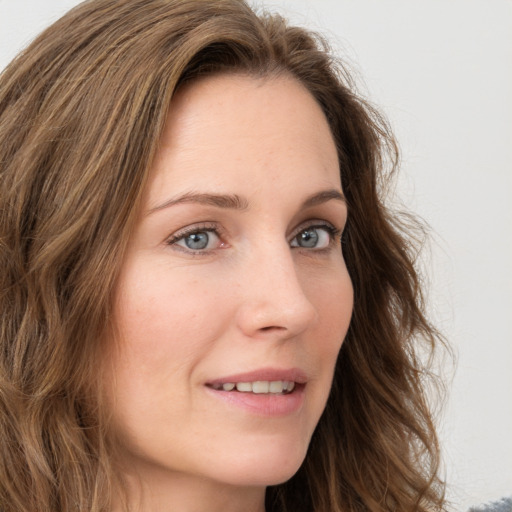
274 302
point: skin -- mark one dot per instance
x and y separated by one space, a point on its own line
255 297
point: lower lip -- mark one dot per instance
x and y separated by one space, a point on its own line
264 404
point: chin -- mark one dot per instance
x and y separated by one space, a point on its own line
264 467
260 476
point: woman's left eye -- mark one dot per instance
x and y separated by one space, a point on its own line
314 237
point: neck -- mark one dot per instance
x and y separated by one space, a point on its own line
164 492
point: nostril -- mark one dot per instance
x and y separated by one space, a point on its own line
271 327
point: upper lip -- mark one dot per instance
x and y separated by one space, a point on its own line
264 374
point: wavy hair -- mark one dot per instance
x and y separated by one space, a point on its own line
82 109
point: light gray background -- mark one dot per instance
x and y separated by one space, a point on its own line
442 72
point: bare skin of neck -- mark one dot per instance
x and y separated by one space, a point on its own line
187 493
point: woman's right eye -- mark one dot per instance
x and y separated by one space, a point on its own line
197 240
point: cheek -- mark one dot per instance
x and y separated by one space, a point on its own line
166 323
335 319
332 295
155 305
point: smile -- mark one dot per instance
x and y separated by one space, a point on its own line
270 392
277 387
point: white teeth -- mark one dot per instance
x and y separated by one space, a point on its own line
276 386
290 386
258 387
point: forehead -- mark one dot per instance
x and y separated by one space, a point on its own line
243 129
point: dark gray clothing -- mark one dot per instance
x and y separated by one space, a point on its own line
503 505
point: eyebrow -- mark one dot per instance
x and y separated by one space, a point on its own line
236 202
229 201
323 197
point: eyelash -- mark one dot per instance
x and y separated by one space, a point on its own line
333 232
201 228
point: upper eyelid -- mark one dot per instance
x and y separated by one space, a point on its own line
318 223
194 228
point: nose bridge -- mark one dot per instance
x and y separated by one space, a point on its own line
274 297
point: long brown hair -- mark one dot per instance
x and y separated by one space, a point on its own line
81 113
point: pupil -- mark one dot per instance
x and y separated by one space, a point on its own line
197 241
309 238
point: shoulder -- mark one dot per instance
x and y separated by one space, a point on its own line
503 505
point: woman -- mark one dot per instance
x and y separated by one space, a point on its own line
205 303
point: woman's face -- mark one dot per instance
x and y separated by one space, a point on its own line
234 297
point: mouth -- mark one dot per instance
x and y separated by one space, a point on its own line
265 387
269 392
258 387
